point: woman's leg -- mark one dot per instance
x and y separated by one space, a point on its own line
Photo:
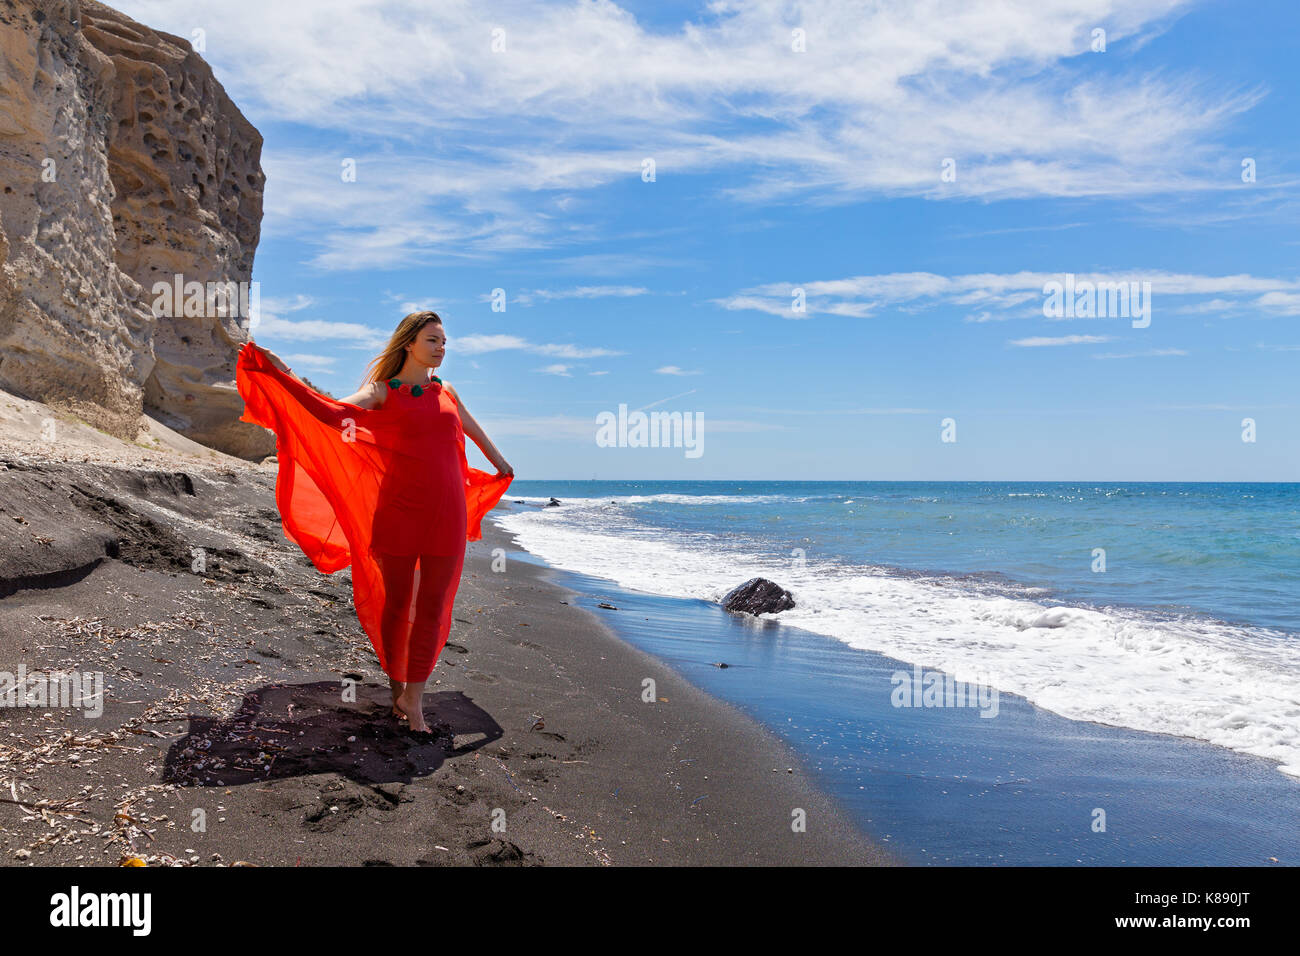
439 581
398 572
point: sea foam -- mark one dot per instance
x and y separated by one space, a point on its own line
1230 685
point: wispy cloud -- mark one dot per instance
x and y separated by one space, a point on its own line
273 322
578 429
1000 296
1056 227
674 370
312 363
526 297
1216 408
668 399
475 344
1041 341
609 263
495 149
1287 303
404 305
1151 353
838 411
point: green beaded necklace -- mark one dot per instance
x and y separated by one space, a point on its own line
416 390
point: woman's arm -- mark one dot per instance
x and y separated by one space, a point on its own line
475 431
276 361
372 395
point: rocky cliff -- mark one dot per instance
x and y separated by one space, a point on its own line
123 163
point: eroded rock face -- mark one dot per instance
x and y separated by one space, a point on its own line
122 163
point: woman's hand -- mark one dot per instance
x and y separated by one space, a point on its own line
504 469
279 363
271 357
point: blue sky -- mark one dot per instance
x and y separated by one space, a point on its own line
776 169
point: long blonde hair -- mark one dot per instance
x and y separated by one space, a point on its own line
389 362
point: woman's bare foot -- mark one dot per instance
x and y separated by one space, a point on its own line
410 702
397 687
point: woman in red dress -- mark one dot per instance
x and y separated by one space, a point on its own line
379 480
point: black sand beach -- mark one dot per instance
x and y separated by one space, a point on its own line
227 733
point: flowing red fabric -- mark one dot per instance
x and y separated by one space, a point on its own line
355 483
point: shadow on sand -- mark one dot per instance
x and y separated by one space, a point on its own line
293 730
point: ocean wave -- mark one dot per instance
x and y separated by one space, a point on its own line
1230 685
675 499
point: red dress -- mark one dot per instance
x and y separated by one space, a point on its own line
369 487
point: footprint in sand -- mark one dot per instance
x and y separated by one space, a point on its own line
498 852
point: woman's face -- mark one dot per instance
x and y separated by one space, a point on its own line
430 346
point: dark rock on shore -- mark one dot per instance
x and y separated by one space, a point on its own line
758 596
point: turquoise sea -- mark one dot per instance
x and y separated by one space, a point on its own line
1166 614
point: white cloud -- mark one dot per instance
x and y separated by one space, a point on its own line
557 370
840 411
1001 296
572 428
475 142
674 370
670 398
350 334
1215 408
313 363
475 344
1040 341
526 297
1210 306
1152 353
1287 303
609 263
